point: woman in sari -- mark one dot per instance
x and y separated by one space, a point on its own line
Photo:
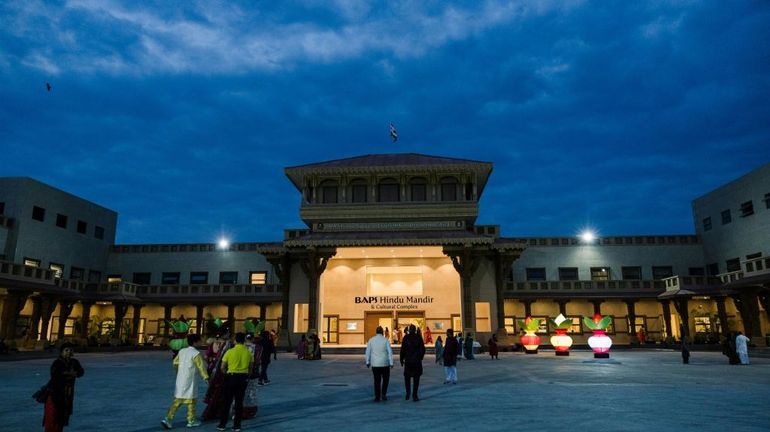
216 391
439 351
302 348
58 406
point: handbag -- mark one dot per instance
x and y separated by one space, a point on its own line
41 396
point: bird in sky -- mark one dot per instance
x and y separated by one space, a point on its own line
48 86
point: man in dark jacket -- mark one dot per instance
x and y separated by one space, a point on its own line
412 353
451 351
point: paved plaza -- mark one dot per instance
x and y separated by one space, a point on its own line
635 390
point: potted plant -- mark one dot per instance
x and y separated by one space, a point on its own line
600 343
561 341
530 340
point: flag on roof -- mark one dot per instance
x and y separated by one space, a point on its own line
393 133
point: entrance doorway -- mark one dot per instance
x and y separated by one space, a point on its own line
374 319
404 319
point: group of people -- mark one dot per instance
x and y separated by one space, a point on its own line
379 357
233 370
426 336
465 347
309 348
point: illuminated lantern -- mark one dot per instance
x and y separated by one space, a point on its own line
561 341
600 343
530 340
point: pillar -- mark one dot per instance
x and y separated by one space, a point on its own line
65 309
13 303
748 306
681 305
722 313
167 309
135 322
667 317
597 306
47 307
631 307
120 313
231 318
313 266
503 264
200 325
465 262
563 307
85 319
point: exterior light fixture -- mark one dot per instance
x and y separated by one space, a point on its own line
587 236
530 340
223 243
600 343
561 341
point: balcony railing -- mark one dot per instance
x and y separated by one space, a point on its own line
240 290
683 282
26 273
642 286
756 266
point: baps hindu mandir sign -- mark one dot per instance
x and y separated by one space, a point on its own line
394 302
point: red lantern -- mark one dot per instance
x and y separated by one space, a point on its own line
531 342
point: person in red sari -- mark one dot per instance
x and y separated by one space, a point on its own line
216 392
58 406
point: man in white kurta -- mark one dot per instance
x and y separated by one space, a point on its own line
379 356
187 361
742 348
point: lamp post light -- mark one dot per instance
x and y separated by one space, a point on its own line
223 244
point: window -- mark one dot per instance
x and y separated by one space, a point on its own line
726 217
328 192
114 278
257 278
448 189
94 276
99 232
2 207
77 273
228 278
31 262
702 324
197 278
38 213
300 317
469 192
755 255
600 273
662 272
568 273
733 265
82 227
510 327
170 278
358 191
767 202
57 269
747 208
707 224
712 269
61 220
696 271
387 191
535 273
141 278
632 273
483 322
418 189
331 329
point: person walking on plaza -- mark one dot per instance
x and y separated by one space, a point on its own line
451 353
268 349
412 353
439 347
493 348
469 347
379 356
742 348
237 364
58 406
187 362
460 345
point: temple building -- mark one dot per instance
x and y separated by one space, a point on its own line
390 240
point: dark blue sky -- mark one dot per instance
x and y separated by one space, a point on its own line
181 116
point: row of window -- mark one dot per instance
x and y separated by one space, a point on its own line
389 190
603 273
747 209
62 221
196 278
76 273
